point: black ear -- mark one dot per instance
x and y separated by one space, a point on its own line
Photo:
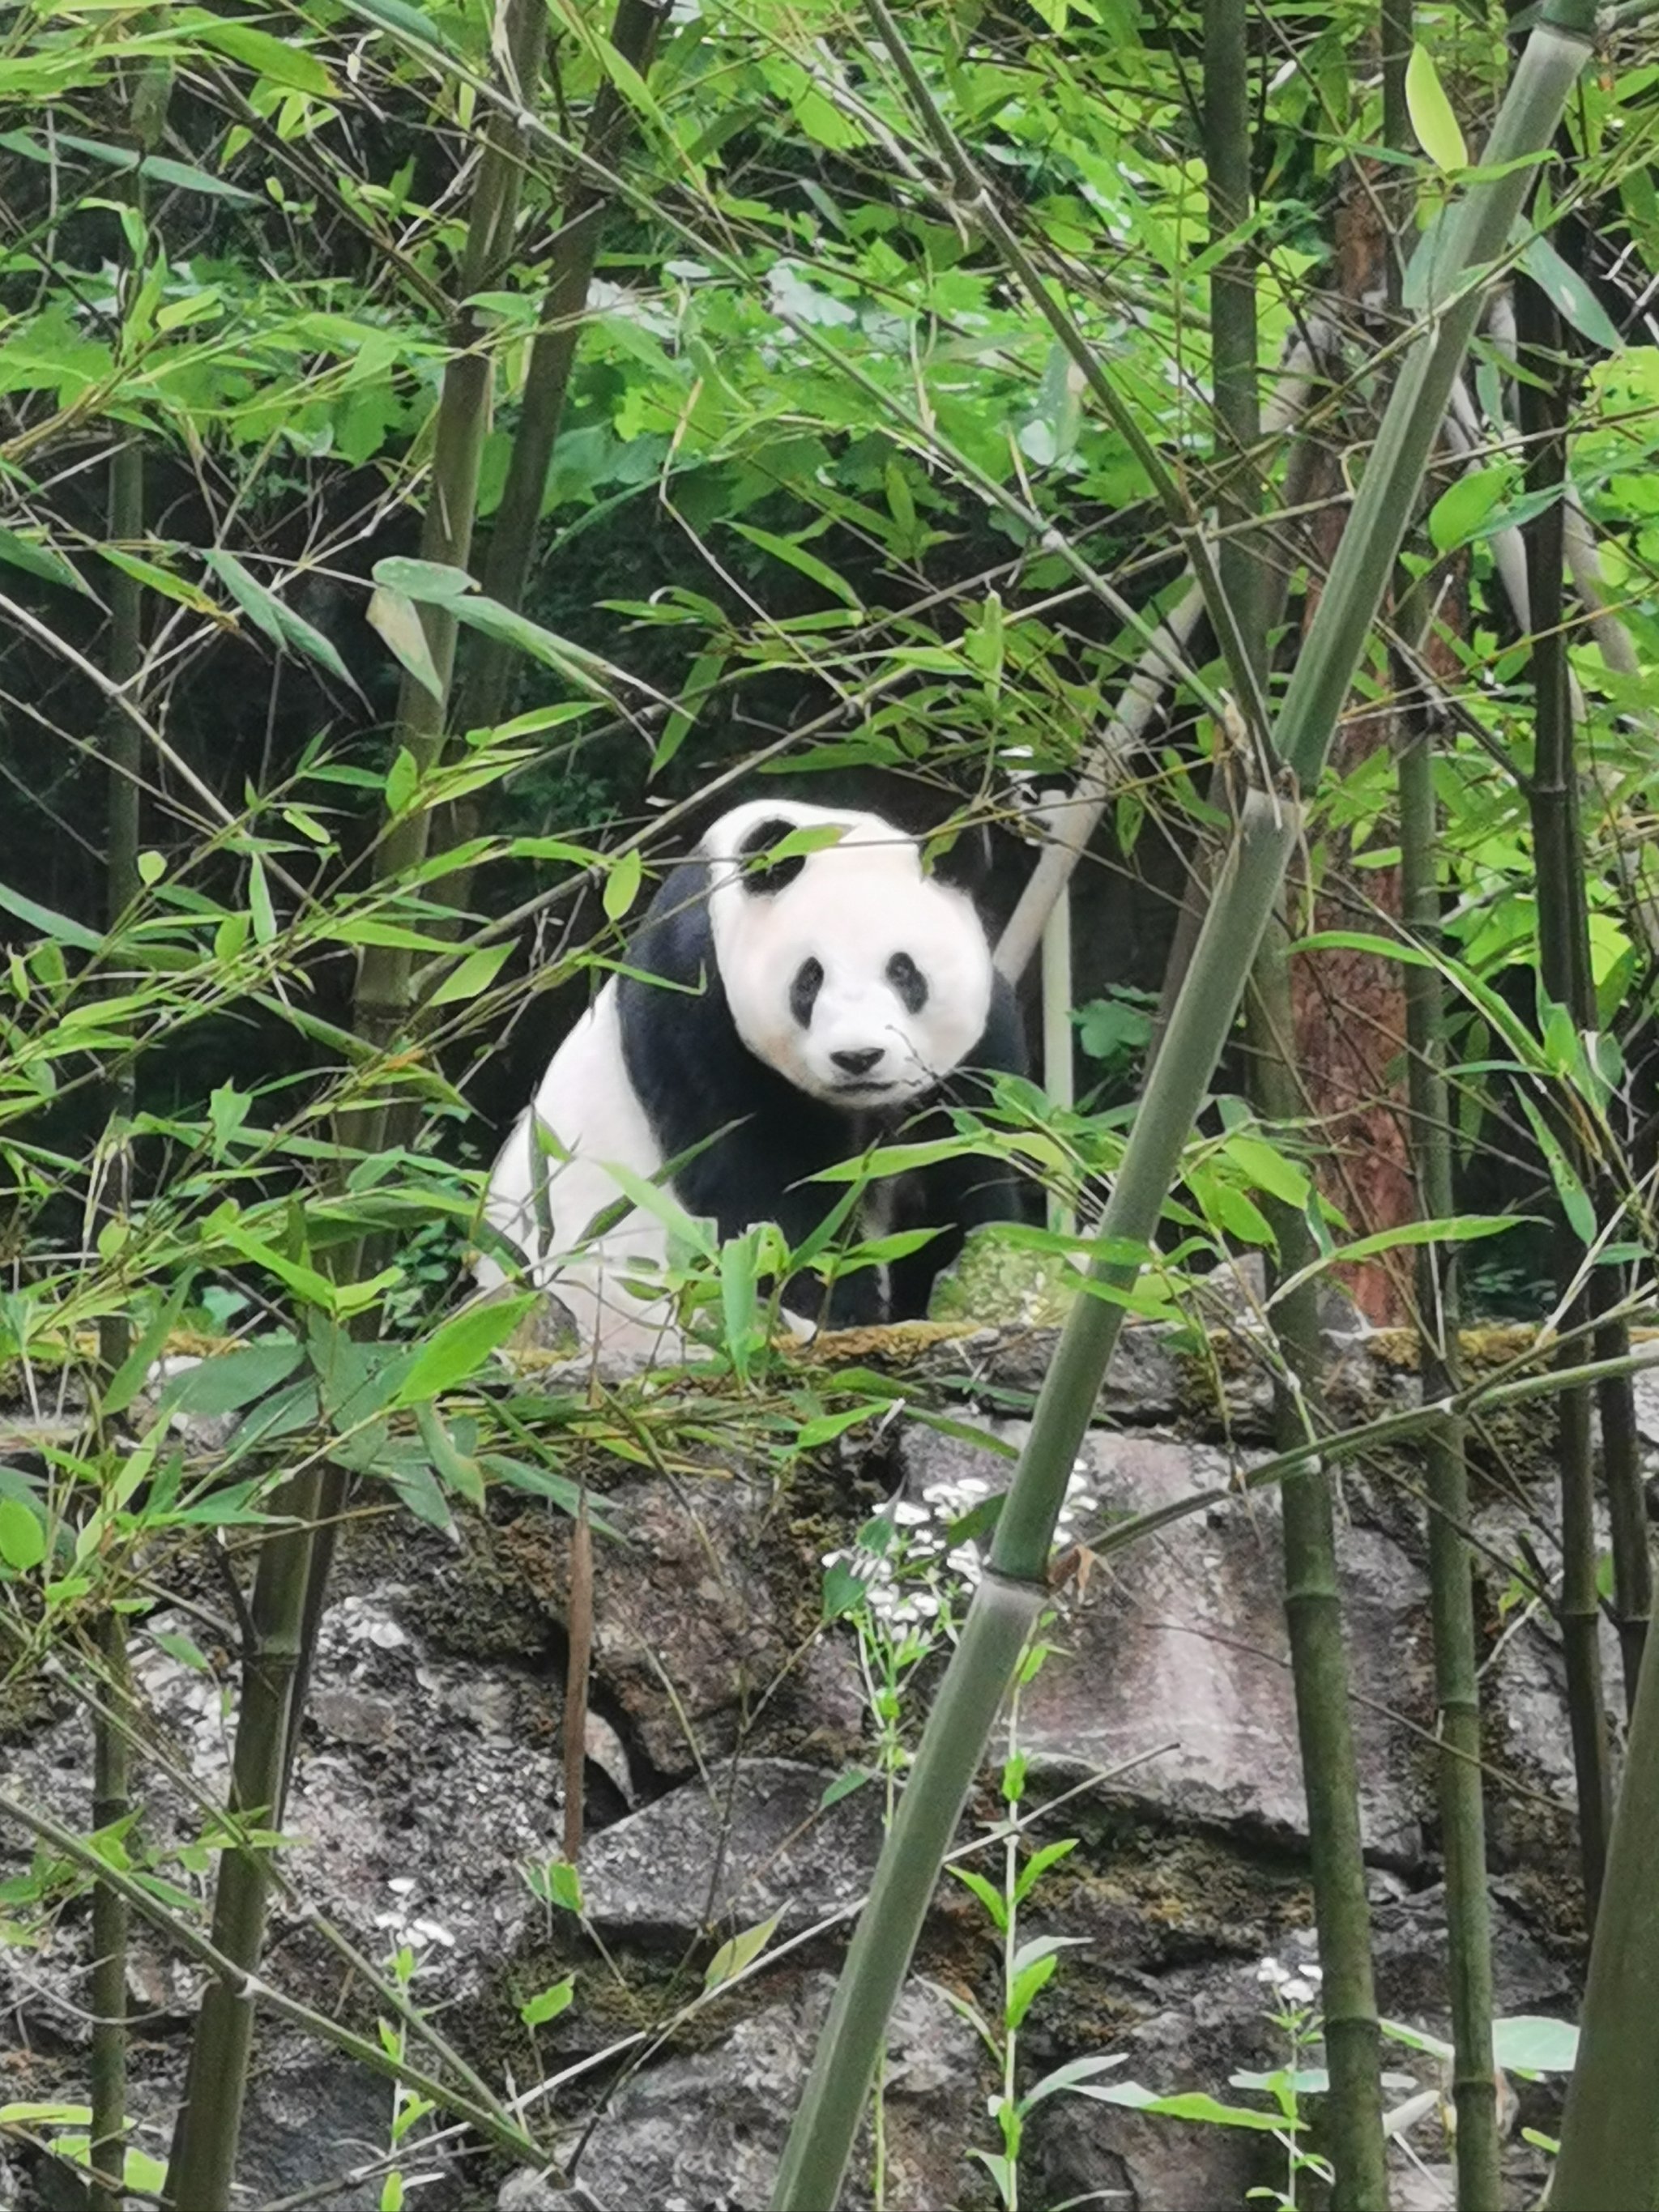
766 882
959 857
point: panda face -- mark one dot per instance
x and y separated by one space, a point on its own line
858 979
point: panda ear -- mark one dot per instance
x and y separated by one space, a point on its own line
959 857
766 882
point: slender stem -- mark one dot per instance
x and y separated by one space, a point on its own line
1565 967
821 2138
111 1802
1451 1584
1319 1659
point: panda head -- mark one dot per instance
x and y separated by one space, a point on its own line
852 975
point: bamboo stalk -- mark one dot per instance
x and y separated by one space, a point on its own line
513 536
1564 964
1319 1659
820 2140
108 2070
1312 1602
1451 1584
291 1578
1609 2156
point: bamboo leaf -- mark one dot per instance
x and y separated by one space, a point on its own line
398 621
797 556
50 923
733 1957
474 975
1438 132
1568 292
39 557
622 884
286 629
455 1352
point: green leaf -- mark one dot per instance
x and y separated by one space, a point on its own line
474 975
731 1958
258 899
987 1893
1194 2105
1437 130
1571 296
456 1352
796 556
22 1535
843 1590
398 621
285 629
230 1380
1457 515
1456 1229
156 166
622 884
1036 1866
39 557
129 1376
49 922
1532 2043
536 2011
268 56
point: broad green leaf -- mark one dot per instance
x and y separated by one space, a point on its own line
398 621
286 629
987 1891
157 167
49 922
129 1376
797 556
260 905
39 557
1571 296
731 1958
1532 2043
22 1535
1438 132
231 1380
268 56
154 578
536 2011
1457 515
1193 2104
474 975
1456 1229
455 1352
622 884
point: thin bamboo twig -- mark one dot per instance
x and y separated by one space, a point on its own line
1563 964
953 1744
1456 1673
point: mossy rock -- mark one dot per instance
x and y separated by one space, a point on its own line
998 1279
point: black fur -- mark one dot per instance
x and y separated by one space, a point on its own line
693 1074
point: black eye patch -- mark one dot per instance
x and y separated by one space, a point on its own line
767 882
804 991
907 980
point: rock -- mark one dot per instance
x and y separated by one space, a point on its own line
529 2192
704 2133
1175 1655
754 1843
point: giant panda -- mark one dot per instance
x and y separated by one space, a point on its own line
818 1003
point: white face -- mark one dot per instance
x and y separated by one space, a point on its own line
861 980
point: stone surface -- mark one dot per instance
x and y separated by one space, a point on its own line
749 1844
704 2133
1174 1656
429 1779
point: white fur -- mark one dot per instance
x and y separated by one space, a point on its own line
851 907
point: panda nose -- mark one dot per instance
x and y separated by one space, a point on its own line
857 1063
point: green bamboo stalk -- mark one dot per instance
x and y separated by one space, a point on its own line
1312 1602
1451 1584
1609 2157
202 2165
513 534
1319 1659
1564 964
953 1744
291 1578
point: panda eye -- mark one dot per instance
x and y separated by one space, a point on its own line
809 979
907 980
